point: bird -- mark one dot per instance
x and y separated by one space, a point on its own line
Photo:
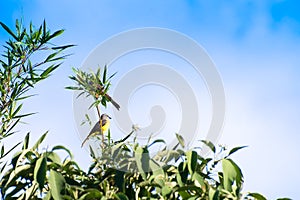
97 129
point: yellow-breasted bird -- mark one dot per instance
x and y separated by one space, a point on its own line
97 129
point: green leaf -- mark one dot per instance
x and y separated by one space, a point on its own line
26 141
197 177
180 140
30 192
166 190
23 169
235 149
57 184
16 111
104 75
63 47
11 149
40 170
25 115
213 194
60 147
47 196
156 169
142 158
232 174
40 140
157 141
121 196
192 161
183 174
210 145
119 180
2 151
54 157
44 30
257 196
9 31
92 193
55 34
47 71
284 199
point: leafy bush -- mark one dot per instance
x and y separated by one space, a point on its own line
124 170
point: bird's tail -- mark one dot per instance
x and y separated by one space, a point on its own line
113 102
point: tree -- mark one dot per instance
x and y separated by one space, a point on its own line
125 169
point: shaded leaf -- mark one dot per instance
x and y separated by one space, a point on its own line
121 196
192 161
40 170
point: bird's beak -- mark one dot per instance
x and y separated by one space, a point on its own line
109 117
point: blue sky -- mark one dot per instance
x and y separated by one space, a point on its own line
254 44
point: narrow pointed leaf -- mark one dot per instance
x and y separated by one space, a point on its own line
235 149
40 140
9 31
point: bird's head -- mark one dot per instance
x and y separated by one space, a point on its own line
105 116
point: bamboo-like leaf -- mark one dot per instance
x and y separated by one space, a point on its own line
44 31
24 97
63 47
50 69
55 34
25 115
104 74
16 111
12 126
39 141
26 141
2 151
9 31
